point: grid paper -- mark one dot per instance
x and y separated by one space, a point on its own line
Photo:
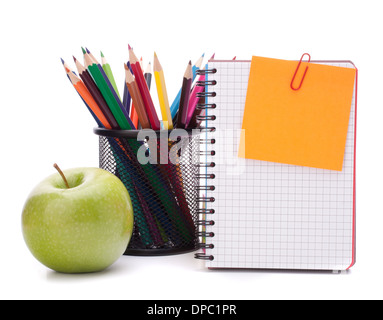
271 215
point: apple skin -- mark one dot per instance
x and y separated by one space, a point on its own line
85 228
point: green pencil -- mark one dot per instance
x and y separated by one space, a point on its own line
108 71
107 93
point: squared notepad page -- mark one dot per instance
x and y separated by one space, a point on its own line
271 215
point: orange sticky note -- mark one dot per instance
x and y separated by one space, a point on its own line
307 127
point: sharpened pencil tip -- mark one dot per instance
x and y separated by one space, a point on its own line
129 47
83 50
203 55
74 58
190 62
62 60
87 50
102 55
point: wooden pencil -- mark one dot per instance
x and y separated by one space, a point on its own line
170 175
86 50
194 98
148 75
87 97
194 112
176 103
162 94
106 90
134 115
109 84
185 96
127 98
117 144
144 90
137 99
96 94
155 125
89 109
109 73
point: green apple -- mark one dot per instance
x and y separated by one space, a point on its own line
80 220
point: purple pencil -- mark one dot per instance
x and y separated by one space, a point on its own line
127 97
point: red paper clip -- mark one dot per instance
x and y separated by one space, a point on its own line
296 71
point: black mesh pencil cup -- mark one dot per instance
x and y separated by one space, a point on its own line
160 171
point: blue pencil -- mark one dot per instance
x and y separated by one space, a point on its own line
89 109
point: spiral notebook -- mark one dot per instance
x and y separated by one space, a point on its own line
264 214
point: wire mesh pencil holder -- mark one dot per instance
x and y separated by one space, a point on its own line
160 169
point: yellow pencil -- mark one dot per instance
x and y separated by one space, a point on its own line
162 94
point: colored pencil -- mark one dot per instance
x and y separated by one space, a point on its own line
109 73
115 145
134 116
96 86
185 96
129 150
86 50
148 80
198 88
65 65
148 102
89 109
162 94
137 99
148 75
127 98
106 90
192 121
114 93
158 178
176 103
170 171
87 97
96 94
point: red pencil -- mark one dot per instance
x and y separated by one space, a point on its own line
146 97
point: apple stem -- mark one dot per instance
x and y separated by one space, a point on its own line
61 174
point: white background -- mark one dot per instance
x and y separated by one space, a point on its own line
43 121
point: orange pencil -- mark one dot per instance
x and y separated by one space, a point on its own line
87 97
137 99
134 115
